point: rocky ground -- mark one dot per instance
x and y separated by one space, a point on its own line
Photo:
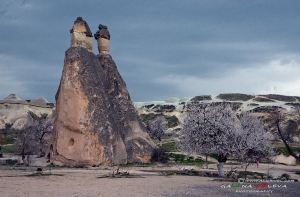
18 181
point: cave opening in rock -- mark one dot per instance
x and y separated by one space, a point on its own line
71 142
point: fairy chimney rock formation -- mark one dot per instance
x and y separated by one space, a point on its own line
81 35
102 36
96 122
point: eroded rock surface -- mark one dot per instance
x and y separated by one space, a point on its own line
96 122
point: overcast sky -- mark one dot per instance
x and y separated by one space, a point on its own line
162 48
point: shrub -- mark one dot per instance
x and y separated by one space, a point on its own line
280 97
147 117
169 146
201 98
261 99
253 104
159 155
294 104
172 121
235 97
11 162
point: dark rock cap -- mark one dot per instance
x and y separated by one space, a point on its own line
102 32
88 31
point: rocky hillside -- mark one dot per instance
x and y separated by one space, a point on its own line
14 110
261 105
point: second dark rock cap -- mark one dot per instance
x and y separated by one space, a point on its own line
102 32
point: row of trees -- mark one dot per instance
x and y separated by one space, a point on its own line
208 128
214 128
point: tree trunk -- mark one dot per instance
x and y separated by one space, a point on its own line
206 161
0 151
160 143
246 170
290 151
28 159
23 156
220 169
221 159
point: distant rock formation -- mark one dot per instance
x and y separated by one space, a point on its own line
14 110
39 101
172 100
96 122
12 97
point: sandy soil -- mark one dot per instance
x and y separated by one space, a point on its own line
85 183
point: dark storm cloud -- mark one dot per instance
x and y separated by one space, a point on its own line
159 46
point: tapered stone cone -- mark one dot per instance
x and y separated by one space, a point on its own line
96 122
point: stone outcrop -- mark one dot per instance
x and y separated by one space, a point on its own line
12 97
39 101
96 122
81 35
14 110
102 36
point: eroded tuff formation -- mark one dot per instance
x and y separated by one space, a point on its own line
96 122
14 111
81 35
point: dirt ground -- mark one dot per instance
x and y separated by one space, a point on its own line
67 182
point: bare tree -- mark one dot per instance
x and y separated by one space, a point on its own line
25 144
157 127
287 129
34 139
42 131
215 128
7 128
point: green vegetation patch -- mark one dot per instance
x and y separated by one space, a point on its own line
164 108
284 151
235 97
186 160
169 146
8 149
147 117
253 104
234 105
215 156
266 109
280 97
6 140
262 99
172 121
293 104
201 98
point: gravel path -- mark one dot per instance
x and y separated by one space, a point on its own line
84 183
